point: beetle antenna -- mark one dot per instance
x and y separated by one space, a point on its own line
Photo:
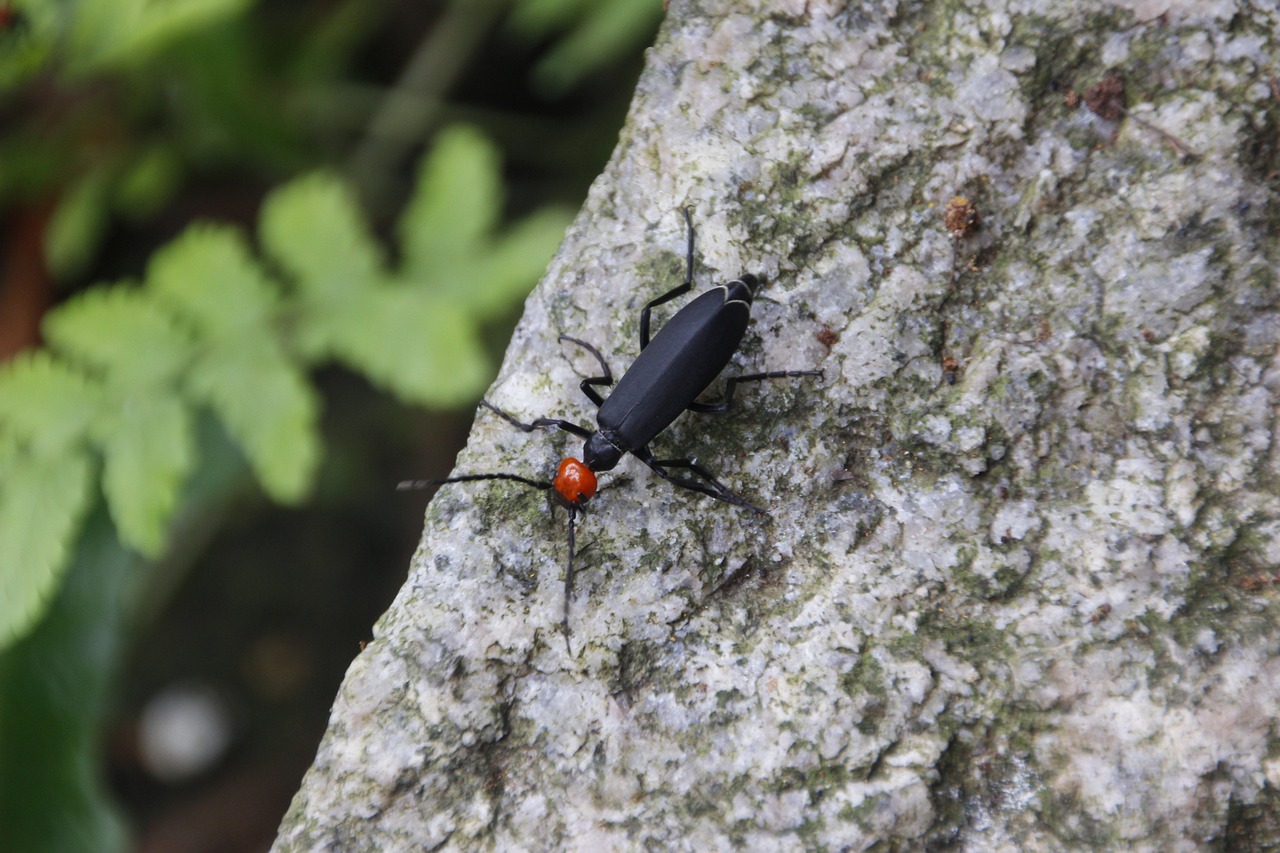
414 485
568 581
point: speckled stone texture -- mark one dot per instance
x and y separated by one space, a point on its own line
1019 584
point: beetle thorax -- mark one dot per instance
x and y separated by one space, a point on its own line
600 453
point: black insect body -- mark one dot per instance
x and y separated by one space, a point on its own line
683 359
671 371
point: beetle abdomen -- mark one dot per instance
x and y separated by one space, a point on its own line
684 357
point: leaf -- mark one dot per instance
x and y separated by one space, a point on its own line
420 347
506 273
25 44
45 403
148 452
55 685
267 406
534 19
124 33
77 225
445 229
598 33
208 276
264 401
149 181
122 331
42 502
455 205
314 229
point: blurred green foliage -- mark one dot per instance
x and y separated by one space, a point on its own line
109 110
54 693
115 393
594 32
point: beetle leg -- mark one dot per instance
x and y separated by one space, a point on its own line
732 383
711 486
678 290
538 423
605 379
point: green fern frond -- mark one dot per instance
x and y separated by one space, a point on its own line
267 405
420 347
454 208
148 452
446 231
122 333
124 33
45 404
42 504
596 32
209 277
128 365
243 372
127 338
315 231
500 275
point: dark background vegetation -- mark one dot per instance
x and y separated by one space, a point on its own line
258 605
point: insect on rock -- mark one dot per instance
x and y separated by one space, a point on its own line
672 370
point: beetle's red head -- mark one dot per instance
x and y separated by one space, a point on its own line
575 482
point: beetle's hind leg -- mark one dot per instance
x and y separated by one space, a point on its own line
709 485
732 384
678 290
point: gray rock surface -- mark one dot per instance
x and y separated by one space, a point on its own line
1033 608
